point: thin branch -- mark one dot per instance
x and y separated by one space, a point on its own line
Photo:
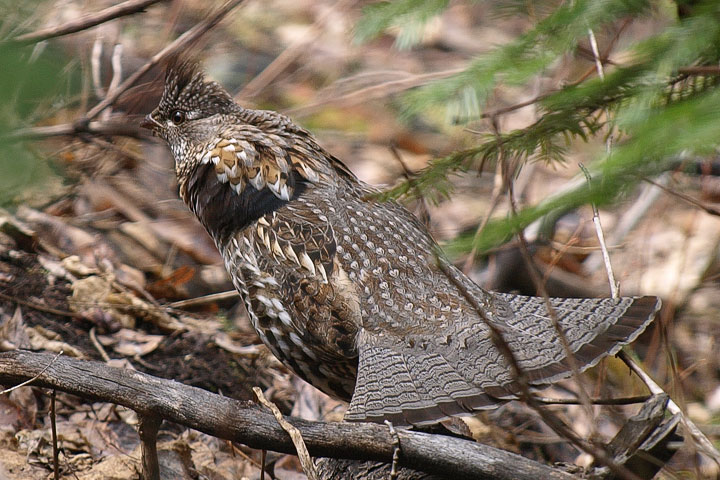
595 401
204 300
375 91
77 128
706 446
424 213
148 426
494 202
700 70
96 343
87 21
628 221
706 208
39 307
305 461
53 428
601 239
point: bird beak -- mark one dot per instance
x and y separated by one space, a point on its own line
150 123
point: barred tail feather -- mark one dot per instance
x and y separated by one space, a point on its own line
411 386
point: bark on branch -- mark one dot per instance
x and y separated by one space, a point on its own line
250 424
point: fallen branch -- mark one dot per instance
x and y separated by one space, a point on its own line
252 425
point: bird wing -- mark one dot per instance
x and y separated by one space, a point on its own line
426 352
419 379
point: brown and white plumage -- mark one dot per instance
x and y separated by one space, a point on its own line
346 290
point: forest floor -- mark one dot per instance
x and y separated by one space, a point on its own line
100 259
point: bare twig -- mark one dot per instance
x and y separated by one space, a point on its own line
494 202
53 429
692 201
594 401
396 450
601 239
38 307
95 57
307 464
706 446
94 128
700 70
87 21
596 54
148 426
375 91
205 299
627 222
31 380
424 213
98 346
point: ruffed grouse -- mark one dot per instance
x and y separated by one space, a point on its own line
349 292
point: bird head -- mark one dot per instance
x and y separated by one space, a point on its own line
191 110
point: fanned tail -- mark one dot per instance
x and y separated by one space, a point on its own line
414 386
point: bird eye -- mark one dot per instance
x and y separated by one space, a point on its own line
177 117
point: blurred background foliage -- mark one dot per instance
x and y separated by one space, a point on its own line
655 105
36 85
652 110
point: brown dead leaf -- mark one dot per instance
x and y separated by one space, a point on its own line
168 286
131 343
224 341
44 339
18 409
12 332
55 232
74 265
96 294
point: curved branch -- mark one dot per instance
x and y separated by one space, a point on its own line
248 423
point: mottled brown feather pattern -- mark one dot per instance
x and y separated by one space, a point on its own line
347 291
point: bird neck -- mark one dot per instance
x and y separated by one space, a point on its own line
221 210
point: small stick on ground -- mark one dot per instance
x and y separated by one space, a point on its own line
148 426
53 427
396 450
307 464
213 297
96 343
595 401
